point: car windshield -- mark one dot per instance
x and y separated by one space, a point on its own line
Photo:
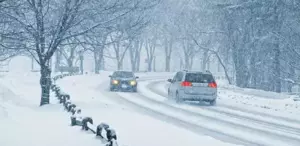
199 78
123 74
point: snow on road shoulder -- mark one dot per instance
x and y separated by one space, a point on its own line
85 85
279 107
283 104
32 125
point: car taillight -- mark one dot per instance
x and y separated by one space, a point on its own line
212 85
185 83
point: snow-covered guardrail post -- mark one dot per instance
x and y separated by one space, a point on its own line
86 123
75 118
67 104
100 128
70 107
63 97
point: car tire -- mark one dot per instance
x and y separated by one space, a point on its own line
111 89
177 98
134 89
213 102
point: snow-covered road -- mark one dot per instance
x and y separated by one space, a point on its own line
135 124
260 128
226 122
148 118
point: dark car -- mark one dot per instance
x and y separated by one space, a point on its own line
123 81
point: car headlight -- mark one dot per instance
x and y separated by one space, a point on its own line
115 82
132 83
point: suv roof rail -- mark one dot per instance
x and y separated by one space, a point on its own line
208 71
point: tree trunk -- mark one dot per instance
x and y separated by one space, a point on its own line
81 58
204 60
154 64
224 68
101 59
277 51
138 63
57 60
191 62
97 66
150 60
168 53
168 59
45 82
70 62
96 60
32 63
277 74
253 71
120 64
186 60
132 53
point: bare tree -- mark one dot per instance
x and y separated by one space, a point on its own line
120 46
150 46
47 24
97 43
218 57
135 53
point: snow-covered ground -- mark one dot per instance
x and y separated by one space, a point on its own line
249 123
243 98
133 128
24 122
245 114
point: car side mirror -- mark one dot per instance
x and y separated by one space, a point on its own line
170 80
110 76
137 77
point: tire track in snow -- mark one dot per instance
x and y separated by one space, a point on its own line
282 128
232 108
175 121
241 114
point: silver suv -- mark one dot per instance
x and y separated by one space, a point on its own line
193 86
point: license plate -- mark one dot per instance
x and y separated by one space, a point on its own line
124 86
200 84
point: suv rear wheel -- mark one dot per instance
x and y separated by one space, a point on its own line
177 98
213 102
169 94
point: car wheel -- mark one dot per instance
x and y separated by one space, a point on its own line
111 89
169 94
213 102
134 89
177 98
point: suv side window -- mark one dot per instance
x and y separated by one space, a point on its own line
179 76
175 77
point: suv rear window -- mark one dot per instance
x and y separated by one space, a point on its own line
199 78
